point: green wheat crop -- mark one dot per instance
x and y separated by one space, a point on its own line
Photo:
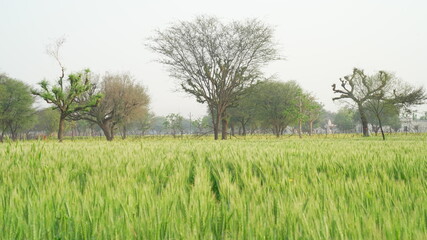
253 188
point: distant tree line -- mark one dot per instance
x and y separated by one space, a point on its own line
268 107
220 64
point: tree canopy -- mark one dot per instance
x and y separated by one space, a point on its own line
214 61
16 111
276 104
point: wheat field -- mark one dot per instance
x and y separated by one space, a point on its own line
341 187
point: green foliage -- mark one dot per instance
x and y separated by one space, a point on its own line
64 96
394 122
16 111
174 123
47 121
143 123
274 103
387 113
317 188
202 125
344 120
245 111
311 109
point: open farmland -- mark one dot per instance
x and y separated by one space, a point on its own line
253 188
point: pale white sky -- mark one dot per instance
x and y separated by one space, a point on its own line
322 40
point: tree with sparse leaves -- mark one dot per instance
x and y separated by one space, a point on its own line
313 111
378 89
214 61
124 100
47 121
381 113
65 93
344 120
244 111
174 123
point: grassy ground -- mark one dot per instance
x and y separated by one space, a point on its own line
254 188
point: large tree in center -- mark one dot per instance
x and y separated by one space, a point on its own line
214 61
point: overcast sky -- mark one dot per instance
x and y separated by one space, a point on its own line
321 40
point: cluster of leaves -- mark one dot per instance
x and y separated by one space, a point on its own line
64 97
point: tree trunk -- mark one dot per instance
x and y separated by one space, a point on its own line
224 125
232 129
244 129
215 128
13 132
215 122
381 127
311 128
2 136
364 121
61 128
14 135
112 131
107 131
276 131
124 132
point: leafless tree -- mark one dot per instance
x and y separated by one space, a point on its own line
214 61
